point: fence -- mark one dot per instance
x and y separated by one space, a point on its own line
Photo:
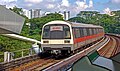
8 56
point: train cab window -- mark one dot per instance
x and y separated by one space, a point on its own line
56 31
66 32
46 32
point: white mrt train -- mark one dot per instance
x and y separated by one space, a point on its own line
66 37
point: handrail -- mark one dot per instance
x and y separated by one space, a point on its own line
21 38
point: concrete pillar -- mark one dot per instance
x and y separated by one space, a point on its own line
30 51
22 53
36 48
7 56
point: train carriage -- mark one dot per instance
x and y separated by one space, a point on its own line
65 37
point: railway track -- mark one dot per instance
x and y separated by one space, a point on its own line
112 48
117 49
7 66
36 64
31 64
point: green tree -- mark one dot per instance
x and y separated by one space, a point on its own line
20 12
77 19
37 23
111 24
17 10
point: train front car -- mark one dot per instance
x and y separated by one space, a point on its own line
57 37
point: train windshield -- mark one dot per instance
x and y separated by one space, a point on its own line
56 31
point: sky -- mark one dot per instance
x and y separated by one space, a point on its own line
74 6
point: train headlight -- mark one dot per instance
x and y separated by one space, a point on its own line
45 41
66 41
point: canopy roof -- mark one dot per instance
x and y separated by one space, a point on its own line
10 22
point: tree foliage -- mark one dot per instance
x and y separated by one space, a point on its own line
111 24
20 12
32 31
37 23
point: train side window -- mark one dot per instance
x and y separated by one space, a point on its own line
81 32
98 30
77 33
66 32
101 30
46 33
85 32
74 32
95 30
90 32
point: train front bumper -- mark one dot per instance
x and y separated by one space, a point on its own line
56 47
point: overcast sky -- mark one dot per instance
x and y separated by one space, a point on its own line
74 6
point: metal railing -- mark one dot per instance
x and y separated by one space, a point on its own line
8 56
16 58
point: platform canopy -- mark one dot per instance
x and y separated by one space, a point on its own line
10 22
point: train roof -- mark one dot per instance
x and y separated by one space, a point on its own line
10 22
74 24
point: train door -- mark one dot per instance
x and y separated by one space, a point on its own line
75 37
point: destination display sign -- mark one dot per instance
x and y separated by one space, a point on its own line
56 28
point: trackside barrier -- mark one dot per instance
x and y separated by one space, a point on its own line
17 62
118 35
